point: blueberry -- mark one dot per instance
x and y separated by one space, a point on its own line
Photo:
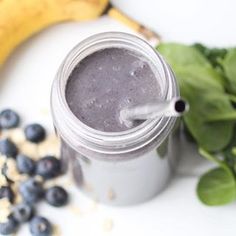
9 119
22 212
25 165
35 133
8 148
40 226
56 196
31 191
8 227
48 167
6 192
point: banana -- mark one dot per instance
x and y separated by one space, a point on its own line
20 19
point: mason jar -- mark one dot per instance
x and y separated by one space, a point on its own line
117 168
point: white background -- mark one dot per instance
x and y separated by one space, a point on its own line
25 85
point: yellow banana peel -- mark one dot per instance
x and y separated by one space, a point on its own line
20 19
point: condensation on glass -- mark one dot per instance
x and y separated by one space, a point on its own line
120 168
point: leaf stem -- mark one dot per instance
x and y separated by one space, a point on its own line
213 158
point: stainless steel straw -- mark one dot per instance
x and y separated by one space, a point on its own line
174 107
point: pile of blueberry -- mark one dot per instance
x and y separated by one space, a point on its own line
31 190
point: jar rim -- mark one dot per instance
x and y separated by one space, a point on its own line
79 134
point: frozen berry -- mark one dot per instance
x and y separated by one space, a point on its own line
35 133
6 192
8 148
40 226
31 190
8 227
9 119
22 212
25 165
48 167
56 196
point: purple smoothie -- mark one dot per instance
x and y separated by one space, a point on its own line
107 81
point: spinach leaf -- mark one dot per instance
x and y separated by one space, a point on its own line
217 187
205 78
211 116
214 55
204 75
207 99
182 55
229 66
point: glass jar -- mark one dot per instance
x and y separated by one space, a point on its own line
118 168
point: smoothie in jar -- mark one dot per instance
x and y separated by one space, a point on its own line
113 161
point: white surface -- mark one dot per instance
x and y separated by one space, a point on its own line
207 21
25 82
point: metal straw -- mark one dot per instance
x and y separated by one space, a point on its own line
174 107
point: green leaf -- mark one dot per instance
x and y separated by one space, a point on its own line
229 66
211 117
204 74
182 55
214 55
234 151
206 78
217 187
230 116
232 98
207 99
